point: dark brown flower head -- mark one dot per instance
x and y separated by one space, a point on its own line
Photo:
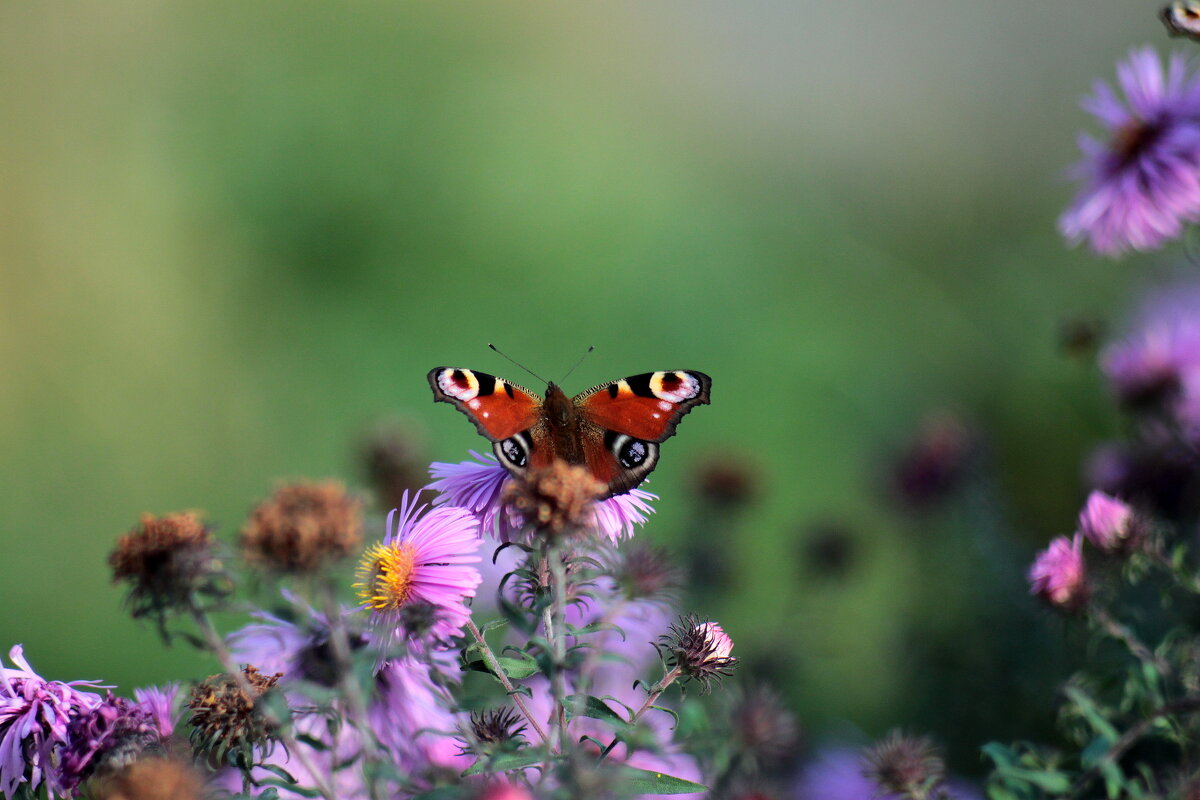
391 458
699 649
303 527
494 730
646 572
934 464
556 500
152 779
228 723
763 729
725 483
169 563
909 766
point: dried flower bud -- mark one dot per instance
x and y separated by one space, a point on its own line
494 730
700 650
303 527
763 728
905 765
168 562
646 572
1059 575
556 500
391 459
1111 525
229 725
725 483
152 779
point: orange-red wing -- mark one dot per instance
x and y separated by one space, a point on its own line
646 406
498 408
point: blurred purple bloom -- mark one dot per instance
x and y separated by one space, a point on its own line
477 486
1108 523
413 717
1144 182
34 715
162 704
838 774
1058 574
110 735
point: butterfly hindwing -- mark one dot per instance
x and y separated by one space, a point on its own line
499 409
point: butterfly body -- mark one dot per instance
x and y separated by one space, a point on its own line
613 429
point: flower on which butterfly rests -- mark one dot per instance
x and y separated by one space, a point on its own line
478 486
34 717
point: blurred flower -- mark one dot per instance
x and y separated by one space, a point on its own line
168 562
905 765
302 527
1079 336
104 739
934 463
724 482
645 572
152 778
227 720
763 729
501 789
701 651
479 485
390 455
34 717
828 549
1058 575
1110 524
1148 370
423 560
836 773
557 500
1143 184
413 716
493 730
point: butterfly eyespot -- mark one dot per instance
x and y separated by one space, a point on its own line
633 453
513 450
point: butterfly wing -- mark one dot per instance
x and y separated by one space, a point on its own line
501 411
626 420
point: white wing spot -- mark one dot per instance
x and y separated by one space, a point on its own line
473 404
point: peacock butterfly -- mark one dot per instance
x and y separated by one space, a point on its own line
614 429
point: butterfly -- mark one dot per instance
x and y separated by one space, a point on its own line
1182 18
613 429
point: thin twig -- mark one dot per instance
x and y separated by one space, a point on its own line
651 699
493 664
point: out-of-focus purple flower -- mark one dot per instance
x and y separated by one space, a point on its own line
414 720
837 773
105 738
1109 523
478 486
1058 574
1143 183
34 716
162 704
425 561
935 462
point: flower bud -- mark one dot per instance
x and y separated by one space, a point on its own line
1110 524
1059 575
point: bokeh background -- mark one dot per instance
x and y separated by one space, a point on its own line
234 237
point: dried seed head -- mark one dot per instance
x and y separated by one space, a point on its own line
303 527
228 724
699 649
152 779
646 572
905 765
764 730
556 500
494 730
168 562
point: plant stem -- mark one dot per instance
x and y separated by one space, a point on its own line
493 664
1128 638
556 635
356 705
651 699
217 645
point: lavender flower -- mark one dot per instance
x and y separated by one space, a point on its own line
425 560
34 716
478 486
836 773
413 717
1058 575
1144 183
104 739
1109 524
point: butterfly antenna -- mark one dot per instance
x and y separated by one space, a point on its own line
577 363
518 363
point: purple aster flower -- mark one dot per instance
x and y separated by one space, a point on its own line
413 717
1058 574
421 573
478 487
836 773
1143 184
34 716
162 704
105 738
1109 523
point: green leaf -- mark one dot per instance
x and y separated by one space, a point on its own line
1096 750
503 762
596 708
517 668
1087 707
634 782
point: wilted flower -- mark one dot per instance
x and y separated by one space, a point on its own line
228 721
1143 184
905 765
478 486
1058 574
105 739
1110 524
646 572
303 527
168 562
493 730
699 650
557 500
425 560
34 717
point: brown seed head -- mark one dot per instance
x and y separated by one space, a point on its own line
557 500
493 730
302 527
226 719
166 561
905 765
764 729
646 572
152 779
725 483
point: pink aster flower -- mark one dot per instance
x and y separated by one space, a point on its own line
104 739
478 487
416 580
34 715
1108 523
1058 574
1143 183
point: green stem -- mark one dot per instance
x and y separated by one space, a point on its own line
651 699
1128 638
555 634
351 690
493 664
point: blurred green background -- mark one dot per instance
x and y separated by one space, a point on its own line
233 236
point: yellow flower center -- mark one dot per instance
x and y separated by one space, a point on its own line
386 575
